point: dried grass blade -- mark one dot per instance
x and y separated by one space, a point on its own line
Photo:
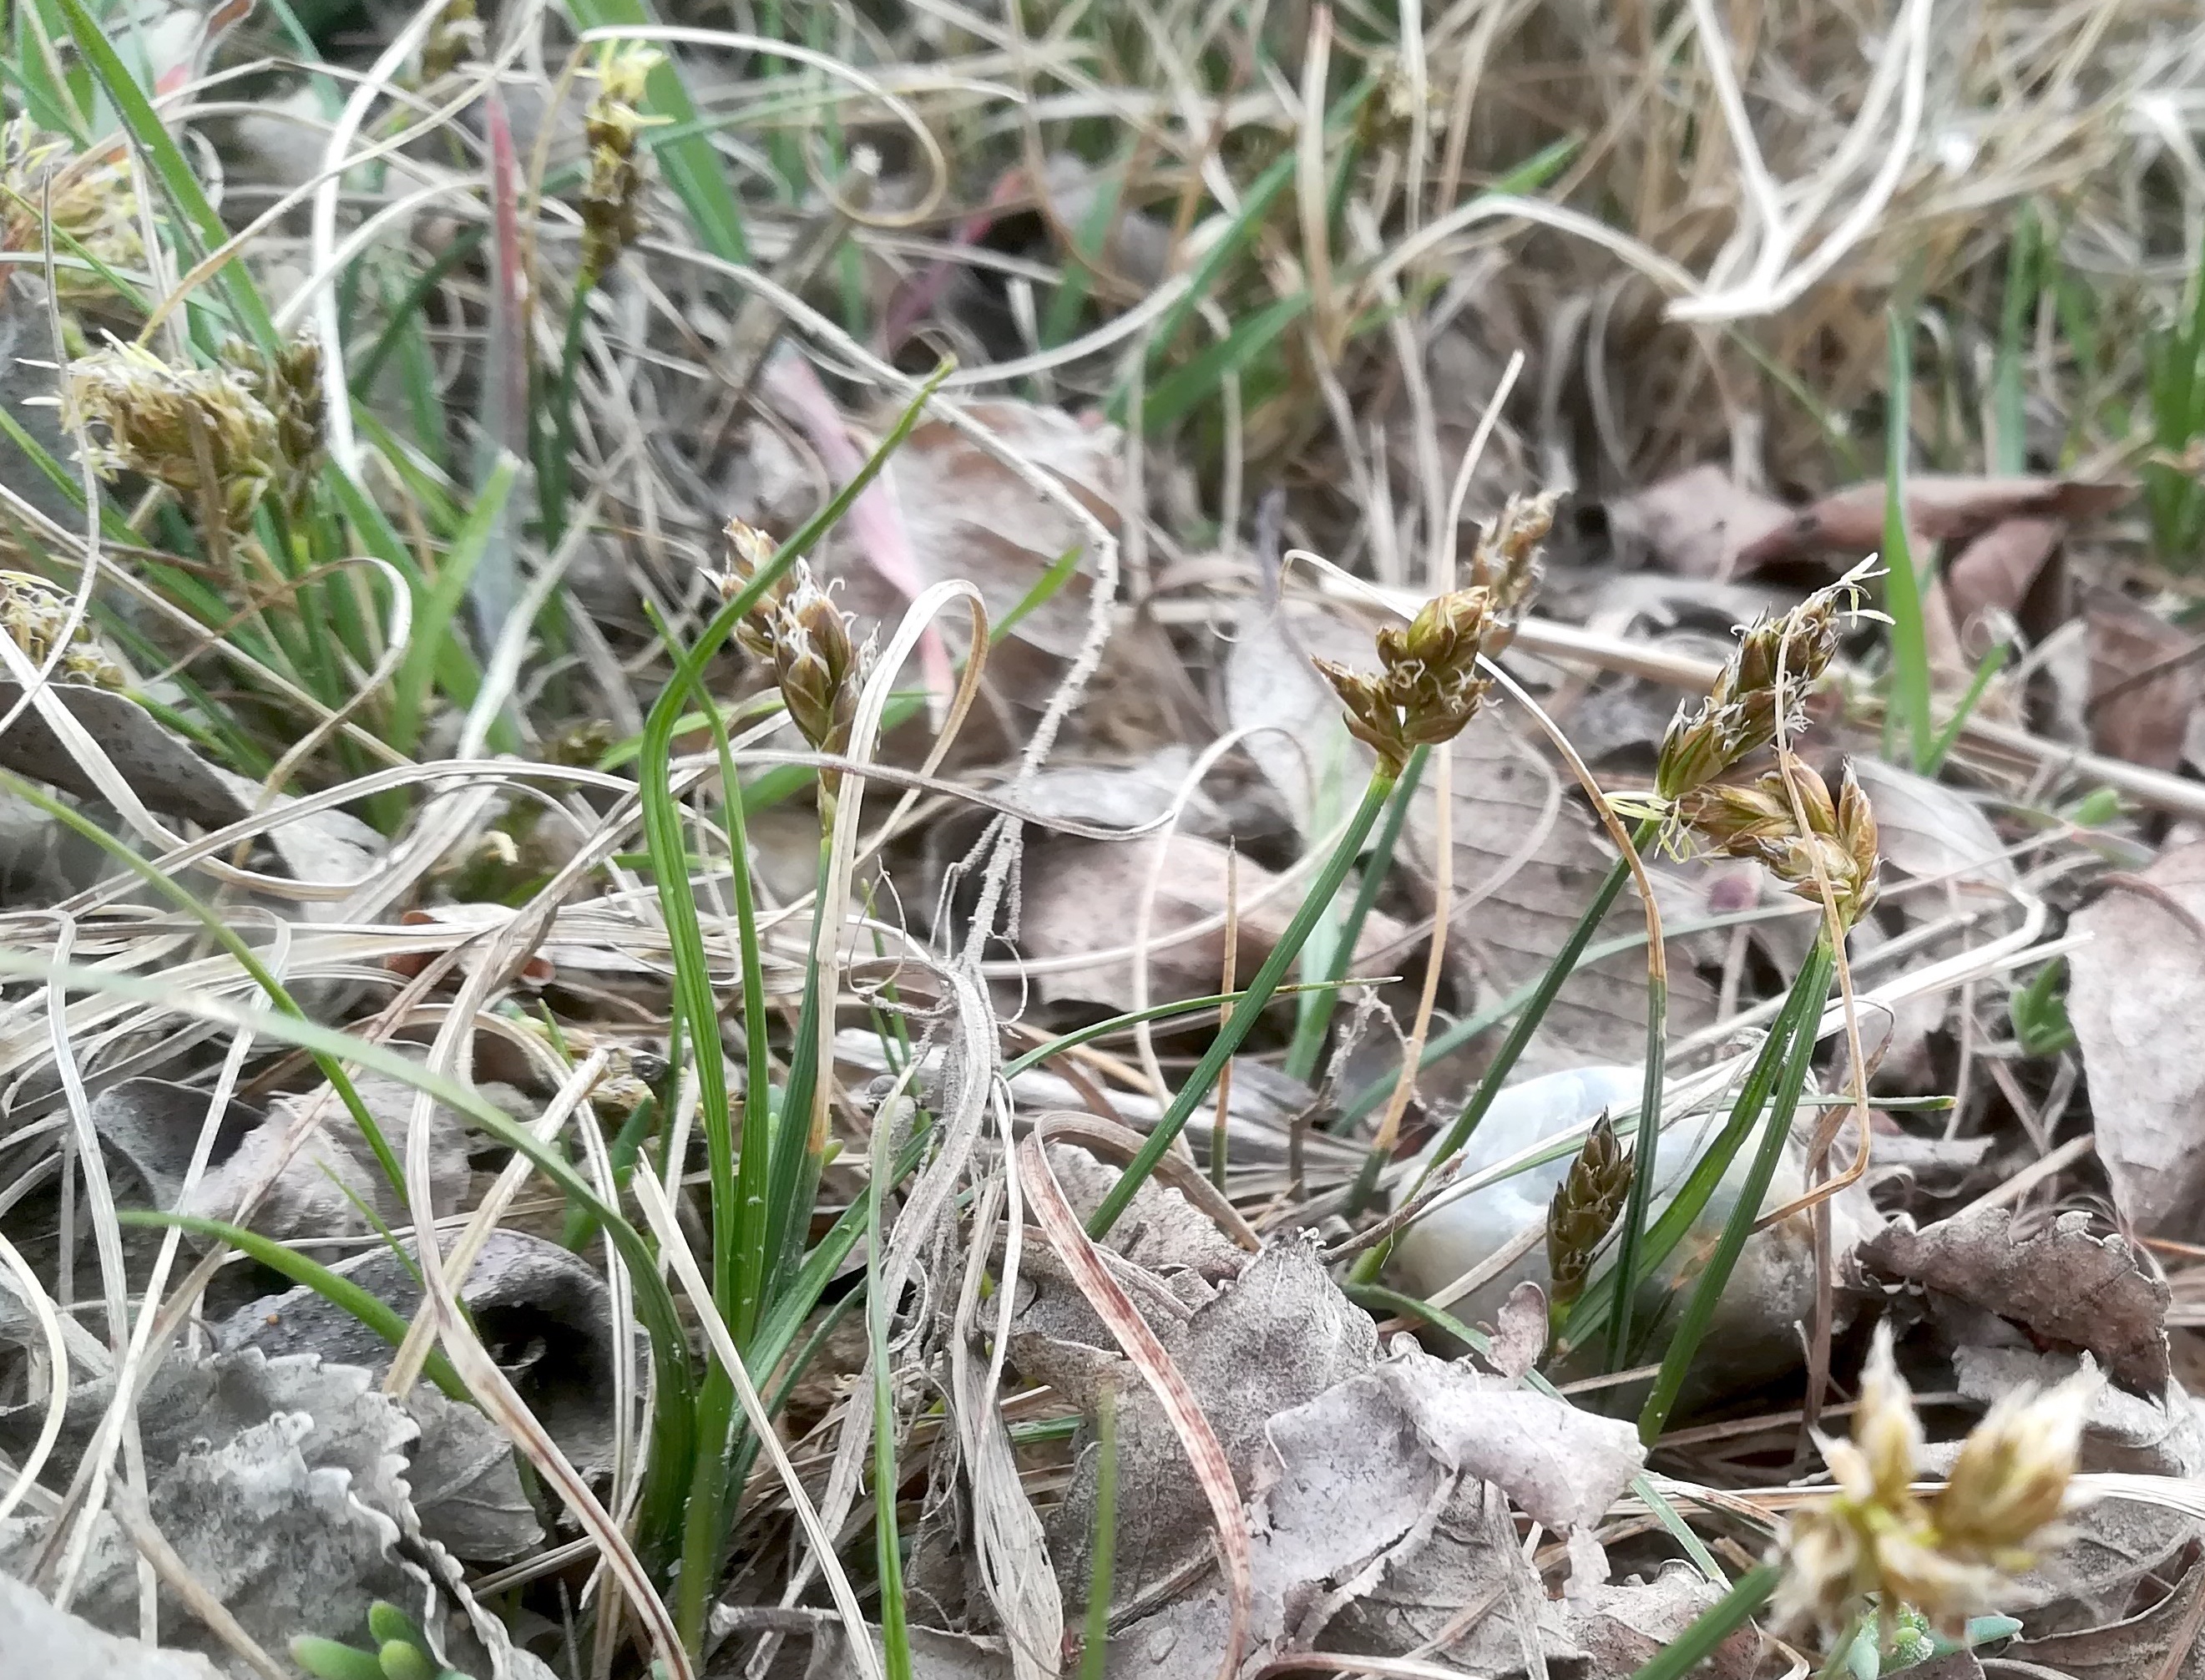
1061 1226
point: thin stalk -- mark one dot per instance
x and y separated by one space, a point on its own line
1645 1145
1512 1050
551 479
1220 1140
1102 1553
800 1145
1232 1034
1308 1045
895 1632
1813 983
1713 1625
1909 647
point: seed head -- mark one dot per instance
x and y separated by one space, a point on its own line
1584 1209
1758 822
157 419
1429 688
1507 560
289 384
1763 684
93 210
1945 1556
34 616
796 629
612 205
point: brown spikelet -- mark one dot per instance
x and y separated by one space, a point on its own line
1585 1208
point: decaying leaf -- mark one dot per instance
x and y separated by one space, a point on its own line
162 769
1941 508
1623 1626
1279 1334
1999 571
282 1484
1081 897
1696 524
1377 1488
2062 1284
1296 735
2159 1435
2146 680
2135 992
2161 1642
965 514
542 1310
37 1639
2114 1548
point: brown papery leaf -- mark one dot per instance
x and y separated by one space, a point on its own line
2062 1284
1085 896
2137 1646
1696 524
1998 571
1527 863
2136 993
1941 508
2145 682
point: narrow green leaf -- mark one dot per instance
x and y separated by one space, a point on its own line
337 1289
434 613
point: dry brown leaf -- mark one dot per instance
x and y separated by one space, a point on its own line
1084 896
1941 508
1526 864
1696 524
2138 1648
162 769
2113 1547
1999 571
1520 1333
2145 682
2062 1284
1297 736
2129 1434
2136 993
1621 1627
962 514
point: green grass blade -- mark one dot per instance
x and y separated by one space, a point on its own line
1318 1004
1192 382
1558 971
1707 1292
1102 1551
1714 1625
1234 1032
337 1289
1909 645
435 612
1589 1317
180 182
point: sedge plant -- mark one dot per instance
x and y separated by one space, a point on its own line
1428 688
